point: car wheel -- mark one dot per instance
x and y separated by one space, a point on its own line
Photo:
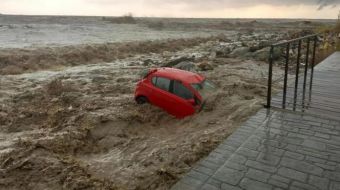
141 100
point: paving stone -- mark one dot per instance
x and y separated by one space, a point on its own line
333 175
306 131
226 147
320 183
216 159
236 166
268 158
237 158
292 174
223 152
294 188
315 160
313 119
229 187
183 186
291 147
204 170
280 178
297 135
278 183
214 182
335 158
326 131
303 186
253 143
229 176
209 187
311 152
322 135
198 175
334 186
294 155
301 166
258 175
274 143
325 166
293 140
206 163
261 166
334 139
249 184
248 153
277 131
273 150
191 181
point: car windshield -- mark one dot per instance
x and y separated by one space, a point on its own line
204 88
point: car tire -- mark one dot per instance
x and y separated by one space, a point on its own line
141 100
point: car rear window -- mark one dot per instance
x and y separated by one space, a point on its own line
180 90
162 83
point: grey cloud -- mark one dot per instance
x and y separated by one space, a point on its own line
324 3
218 4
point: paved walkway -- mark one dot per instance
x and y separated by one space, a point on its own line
280 149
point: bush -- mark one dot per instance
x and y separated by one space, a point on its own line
337 27
337 33
126 19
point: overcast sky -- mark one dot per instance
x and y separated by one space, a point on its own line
177 8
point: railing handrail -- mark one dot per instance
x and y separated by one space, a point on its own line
294 40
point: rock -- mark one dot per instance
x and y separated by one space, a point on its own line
176 61
260 45
263 54
213 55
3 114
221 50
239 52
205 66
186 65
133 64
148 62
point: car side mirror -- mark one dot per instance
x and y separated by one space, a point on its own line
192 102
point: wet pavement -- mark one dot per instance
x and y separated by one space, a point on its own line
281 149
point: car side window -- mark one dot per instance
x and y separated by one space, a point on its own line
154 80
180 90
162 83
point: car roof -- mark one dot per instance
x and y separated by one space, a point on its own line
177 74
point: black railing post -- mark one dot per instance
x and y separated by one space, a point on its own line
305 75
313 64
297 74
270 77
286 77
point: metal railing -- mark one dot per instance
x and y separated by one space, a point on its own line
289 45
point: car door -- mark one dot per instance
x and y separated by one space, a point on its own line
160 95
184 99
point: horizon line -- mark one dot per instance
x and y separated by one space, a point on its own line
66 15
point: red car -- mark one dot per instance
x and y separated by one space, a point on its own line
180 93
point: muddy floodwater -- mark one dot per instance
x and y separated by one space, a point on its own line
19 31
68 119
